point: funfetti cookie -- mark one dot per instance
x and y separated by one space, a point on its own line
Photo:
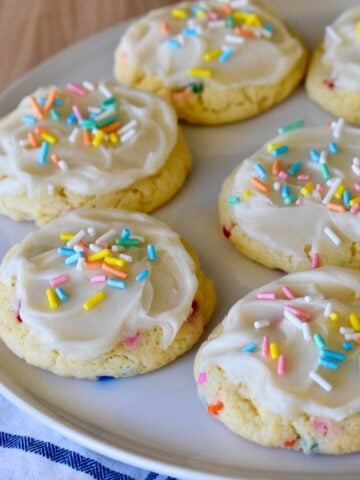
89 145
333 79
294 204
282 369
217 61
102 292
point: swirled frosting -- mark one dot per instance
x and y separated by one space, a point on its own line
313 186
319 294
239 43
342 50
142 131
161 297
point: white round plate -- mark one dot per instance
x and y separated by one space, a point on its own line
156 421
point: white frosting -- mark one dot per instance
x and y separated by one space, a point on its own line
289 228
163 299
294 392
342 50
262 60
90 170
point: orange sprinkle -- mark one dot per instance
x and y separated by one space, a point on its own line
180 96
50 99
81 243
165 28
32 140
92 265
214 408
112 127
226 9
39 130
357 341
289 443
276 167
36 108
114 271
244 33
55 159
260 185
87 138
336 207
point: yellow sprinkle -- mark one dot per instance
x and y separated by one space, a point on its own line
179 13
307 189
339 191
114 138
247 193
115 262
52 298
354 320
334 316
94 300
354 201
49 138
240 16
199 72
274 351
94 257
273 146
66 236
212 54
200 14
358 30
253 20
98 138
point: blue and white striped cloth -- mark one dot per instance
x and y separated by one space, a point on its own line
31 451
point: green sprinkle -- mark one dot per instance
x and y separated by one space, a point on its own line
87 124
325 172
130 242
54 115
196 87
318 339
290 198
291 126
106 121
233 199
230 21
109 102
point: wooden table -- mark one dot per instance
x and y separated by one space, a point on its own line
32 30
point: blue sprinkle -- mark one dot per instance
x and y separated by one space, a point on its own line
44 151
57 102
333 147
250 347
332 354
346 198
142 275
226 54
172 43
196 8
290 198
314 155
71 119
260 170
105 378
294 168
114 282
347 346
233 199
73 259
29 119
285 191
125 234
268 27
280 150
190 32
61 294
151 252
328 363
65 251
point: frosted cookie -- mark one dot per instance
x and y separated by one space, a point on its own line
294 204
102 292
217 61
90 145
282 369
333 79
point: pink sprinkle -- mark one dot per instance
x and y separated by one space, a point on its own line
299 202
320 187
213 15
283 175
98 278
132 341
287 292
202 378
315 260
355 208
77 112
303 176
357 186
124 55
305 316
266 295
265 347
74 87
281 366
54 282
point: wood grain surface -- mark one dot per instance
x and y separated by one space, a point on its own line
32 30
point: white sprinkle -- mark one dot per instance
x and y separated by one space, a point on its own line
94 248
332 33
293 319
50 189
356 161
127 258
88 85
356 169
234 39
266 33
74 135
276 186
328 309
128 136
239 3
80 264
94 110
352 336
76 238
306 331
117 248
108 113
316 195
138 237
345 330
23 143
78 248
91 231
323 157
180 39
331 192
338 128
320 381
261 324
105 91
105 236
329 232
63 165
307 299
216 24
128 126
